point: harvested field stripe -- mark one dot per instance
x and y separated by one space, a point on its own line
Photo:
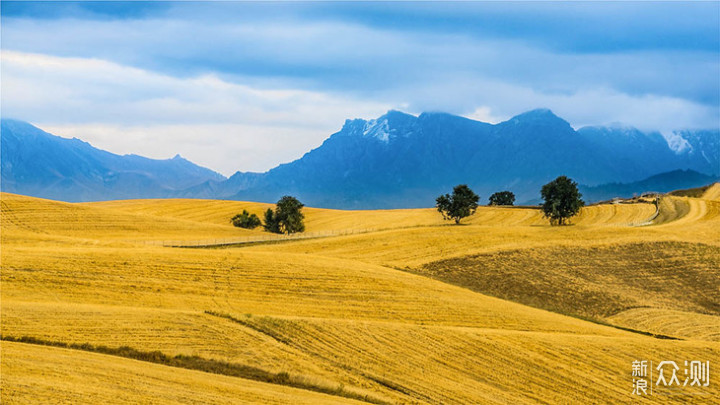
712 192
279 338
199 364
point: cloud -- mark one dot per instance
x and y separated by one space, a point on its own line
227 126
225 148
594 26
222 125
262 83
494 101
328 48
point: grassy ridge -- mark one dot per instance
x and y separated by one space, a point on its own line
28 220
46 374
688 325
671 275
713 192
200 364
433 364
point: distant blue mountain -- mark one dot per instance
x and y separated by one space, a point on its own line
397 160
39 164
659 183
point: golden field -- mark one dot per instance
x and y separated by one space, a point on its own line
409 309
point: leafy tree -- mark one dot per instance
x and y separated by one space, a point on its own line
562 200
271 224
462 203
246 220
502 198
287 217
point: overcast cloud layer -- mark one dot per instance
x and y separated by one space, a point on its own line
245 86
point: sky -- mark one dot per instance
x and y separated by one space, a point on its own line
249 85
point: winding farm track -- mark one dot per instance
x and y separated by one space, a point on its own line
685 210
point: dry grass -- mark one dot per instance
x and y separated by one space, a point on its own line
695 192
687 325
434 364
317 220
337 312
597 225
173 332
28 220
713 192
257 283
594 282
40 374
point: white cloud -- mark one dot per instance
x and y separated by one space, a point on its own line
222 125
587 106
229 126
484 114
225 148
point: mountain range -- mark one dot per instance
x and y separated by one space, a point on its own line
395 161
39 164
659 183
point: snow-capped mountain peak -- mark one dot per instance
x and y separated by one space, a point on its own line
378 129
677 143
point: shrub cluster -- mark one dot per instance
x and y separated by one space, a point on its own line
246 220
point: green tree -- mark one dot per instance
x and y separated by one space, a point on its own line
462 203
562 200
271 224
502 198
287 218
246 220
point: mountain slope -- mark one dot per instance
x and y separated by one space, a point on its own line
395 161
40 164
661 183
399 160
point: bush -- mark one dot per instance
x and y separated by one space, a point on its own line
502 198
246 220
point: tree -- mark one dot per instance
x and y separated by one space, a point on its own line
562 200
462 203
502 198
246 220
271 224
287 217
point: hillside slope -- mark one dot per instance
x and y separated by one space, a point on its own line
713 192
26 376
659 183
346 314
399 160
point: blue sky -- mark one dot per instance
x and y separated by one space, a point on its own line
245 86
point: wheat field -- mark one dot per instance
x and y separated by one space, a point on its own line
501 309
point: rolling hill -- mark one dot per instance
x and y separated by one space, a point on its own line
415 311
660 183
